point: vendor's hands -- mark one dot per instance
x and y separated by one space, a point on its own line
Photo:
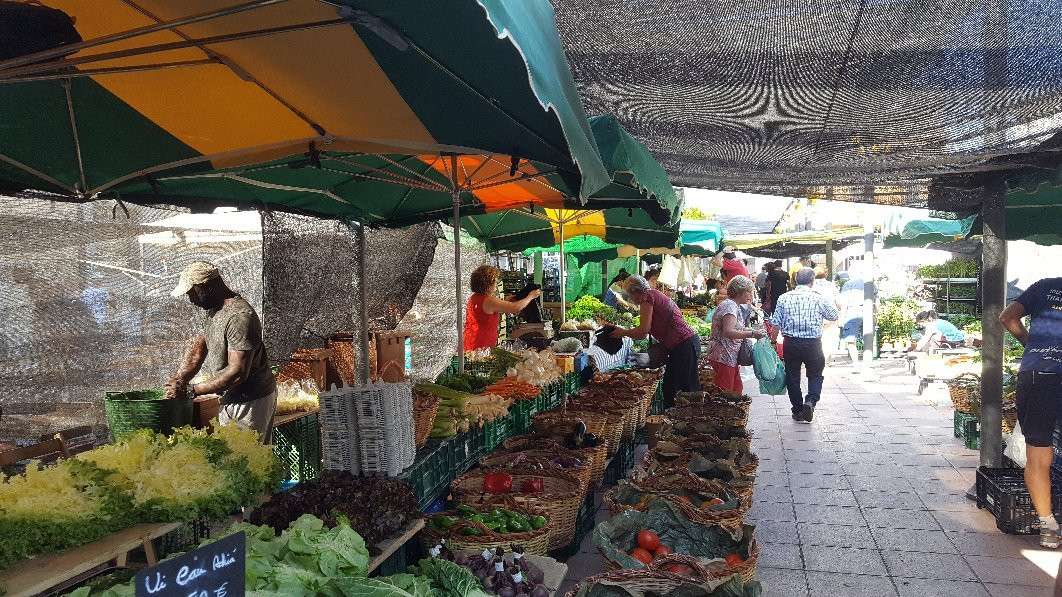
534 294
618 333
175 387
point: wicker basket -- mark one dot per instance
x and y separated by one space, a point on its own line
562 496
619 416
542 457
425 407
746 569
710 411
655 579
673 488
736 450
535 542
1010 418
608 426
965 392
597 456
654 463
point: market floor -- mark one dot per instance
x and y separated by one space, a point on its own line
869 500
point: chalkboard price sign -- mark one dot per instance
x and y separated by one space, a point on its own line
215 570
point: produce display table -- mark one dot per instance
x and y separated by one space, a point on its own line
282 419
41 573
390 546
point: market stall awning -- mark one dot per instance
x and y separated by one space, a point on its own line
1034 207
303 105
794 244
696 237
899 231
579 230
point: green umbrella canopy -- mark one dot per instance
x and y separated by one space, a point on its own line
696 237
638 180
524 228
305 106
919 232
1034 208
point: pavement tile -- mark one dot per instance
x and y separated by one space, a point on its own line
781 555
887 499
896 518
940 566
770 511
783 582
773 531
823 584
997 590
881 469
946 502
1013 571
971 521
829 515
920 587
835 535
825 497
799 480
918 540
815 468
896 484
846 560
995 544
774 493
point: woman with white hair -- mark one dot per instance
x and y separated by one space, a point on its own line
729 330
660 316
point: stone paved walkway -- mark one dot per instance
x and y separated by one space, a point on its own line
869 500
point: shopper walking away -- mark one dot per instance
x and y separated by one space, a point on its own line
660 316
729 330
230 353
937 333
761 280
1039 390
800 316
483 311
777 284
830 332
852 317
799 265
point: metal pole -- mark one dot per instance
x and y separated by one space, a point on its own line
993 297
459 304
829 260
563 267
363 311
868 291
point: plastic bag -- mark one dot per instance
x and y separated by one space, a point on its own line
765 360
776 386
1016 447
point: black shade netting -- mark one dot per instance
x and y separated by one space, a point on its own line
814 98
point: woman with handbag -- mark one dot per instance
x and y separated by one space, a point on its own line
678 347
731 335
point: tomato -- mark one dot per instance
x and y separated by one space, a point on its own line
733 560
712 502
678 569
663 550
642 555
648 540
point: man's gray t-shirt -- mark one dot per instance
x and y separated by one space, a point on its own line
236 327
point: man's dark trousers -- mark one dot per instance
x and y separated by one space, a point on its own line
806 352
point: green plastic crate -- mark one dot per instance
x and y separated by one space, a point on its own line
430 474
495 432
298 444
959 419
971 433
464 450
521 412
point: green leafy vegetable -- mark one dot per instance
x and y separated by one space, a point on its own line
450 579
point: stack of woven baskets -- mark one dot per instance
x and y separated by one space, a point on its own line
700 475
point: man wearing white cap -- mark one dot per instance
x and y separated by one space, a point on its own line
230 353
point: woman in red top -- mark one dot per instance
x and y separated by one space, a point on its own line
660 316
482 315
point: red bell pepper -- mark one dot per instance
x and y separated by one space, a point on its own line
532 485
497 482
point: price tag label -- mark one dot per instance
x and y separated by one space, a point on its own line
216 570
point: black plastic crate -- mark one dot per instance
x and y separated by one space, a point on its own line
185 538
298 444
1002 492
622 463
584 525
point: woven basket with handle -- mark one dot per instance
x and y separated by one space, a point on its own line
655 579
425 407
540 458
596 456
676 487
534 542
965 392
561 497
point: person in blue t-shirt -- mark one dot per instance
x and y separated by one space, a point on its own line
937 333
1039 390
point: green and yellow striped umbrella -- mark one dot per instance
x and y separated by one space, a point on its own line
373 110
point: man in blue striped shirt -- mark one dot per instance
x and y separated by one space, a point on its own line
799 316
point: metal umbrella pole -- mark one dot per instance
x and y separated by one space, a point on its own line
563 267
458 304
363 312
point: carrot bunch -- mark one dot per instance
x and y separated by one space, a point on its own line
513 389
